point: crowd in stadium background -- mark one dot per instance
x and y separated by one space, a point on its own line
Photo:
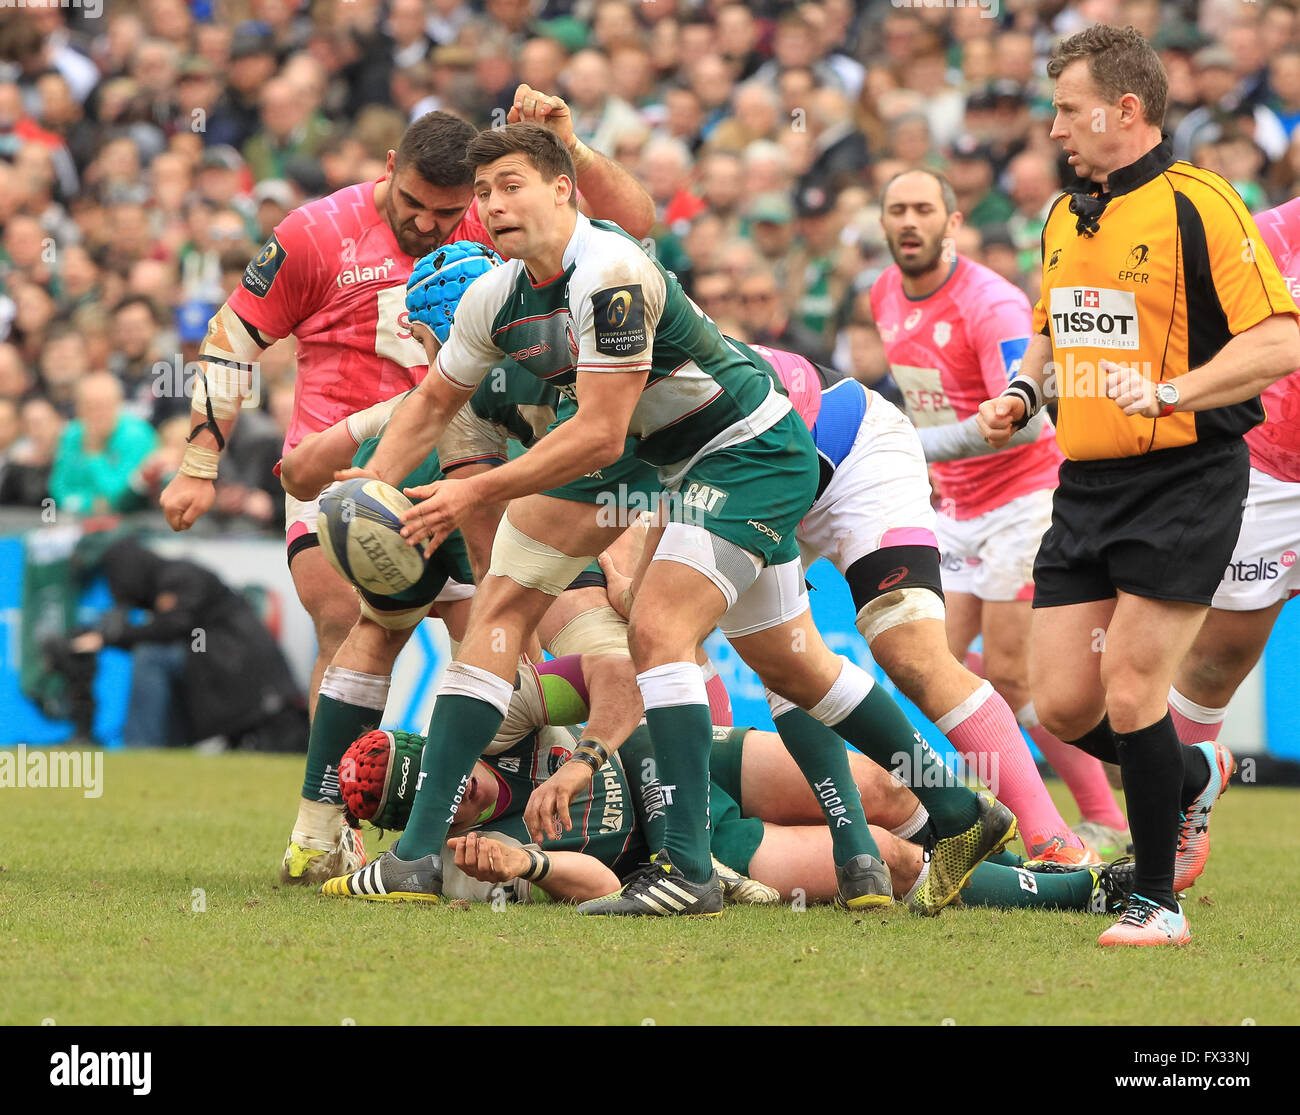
147 149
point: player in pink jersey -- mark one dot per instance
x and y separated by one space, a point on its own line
954 333
1263 573
334 275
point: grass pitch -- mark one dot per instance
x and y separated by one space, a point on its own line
158 903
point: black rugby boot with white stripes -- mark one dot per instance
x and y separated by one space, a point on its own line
660 890
389 879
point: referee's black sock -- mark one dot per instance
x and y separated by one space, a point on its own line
1151 762
1099 742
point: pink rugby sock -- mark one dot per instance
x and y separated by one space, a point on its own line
983 724
1195 723
719 698
1084 775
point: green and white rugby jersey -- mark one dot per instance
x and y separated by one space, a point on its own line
614 309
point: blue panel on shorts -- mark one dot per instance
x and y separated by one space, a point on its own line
843 407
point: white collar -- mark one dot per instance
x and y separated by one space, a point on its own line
582 231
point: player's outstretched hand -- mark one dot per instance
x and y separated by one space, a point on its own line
488 860
185 500
547 813
442 506
532 106
996 418
1133 393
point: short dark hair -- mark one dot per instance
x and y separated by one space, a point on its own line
542 147
432 145
946 192
1120 61
138 300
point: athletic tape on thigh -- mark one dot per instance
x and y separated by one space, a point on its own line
393 621
599 630
530 563
903 605
730 568
777 596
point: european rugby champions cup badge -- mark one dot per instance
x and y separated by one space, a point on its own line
619 320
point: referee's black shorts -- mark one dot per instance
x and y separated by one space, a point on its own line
1162 525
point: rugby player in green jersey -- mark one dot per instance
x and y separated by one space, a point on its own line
767 823
581 305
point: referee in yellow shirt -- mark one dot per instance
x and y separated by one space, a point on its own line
1162 317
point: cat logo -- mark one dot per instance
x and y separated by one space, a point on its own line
619 306
704 497
1056 258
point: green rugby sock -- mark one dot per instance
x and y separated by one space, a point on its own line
681 735
459 731
877 727
638 758
824 762
994 885
349 704
1005 858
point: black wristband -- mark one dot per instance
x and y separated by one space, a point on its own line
587 758
1027 391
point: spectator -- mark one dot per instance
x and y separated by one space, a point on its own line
1219 99
236 117
796 45
945 105
15 380
291 126
541 61
140 344
737 40
598 115
1284 81
1034 185
722 186
970 170
839 150
865 360
767 167
711 78
814 289
25 480
716 294
99 453
771 227
768 321
665 171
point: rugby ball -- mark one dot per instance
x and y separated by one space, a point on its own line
359 528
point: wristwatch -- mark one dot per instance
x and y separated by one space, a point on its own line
1167 397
